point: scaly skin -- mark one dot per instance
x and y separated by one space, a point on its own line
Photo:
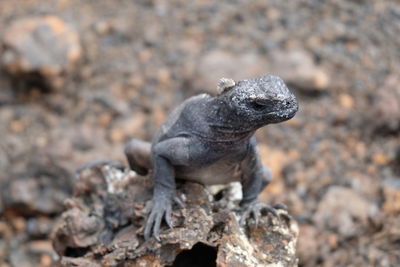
210 140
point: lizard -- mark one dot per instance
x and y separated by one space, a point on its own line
210 140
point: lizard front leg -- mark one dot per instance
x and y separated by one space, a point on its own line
165 155
255 177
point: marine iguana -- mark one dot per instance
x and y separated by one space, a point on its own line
209 139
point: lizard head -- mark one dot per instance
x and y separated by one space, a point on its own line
259 101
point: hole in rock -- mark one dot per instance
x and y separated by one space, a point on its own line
76 252
200 255
218 196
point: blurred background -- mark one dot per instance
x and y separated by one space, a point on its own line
79 78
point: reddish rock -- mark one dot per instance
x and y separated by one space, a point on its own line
40 49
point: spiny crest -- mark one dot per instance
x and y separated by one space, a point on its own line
224 84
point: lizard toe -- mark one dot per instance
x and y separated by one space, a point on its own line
157 225
257 209
243 219
268 209
161 209
280 206
179 202
168 217
149 225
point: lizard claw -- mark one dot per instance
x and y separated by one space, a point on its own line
255 209
162 208
179 202
280 206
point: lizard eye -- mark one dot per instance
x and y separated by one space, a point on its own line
258 105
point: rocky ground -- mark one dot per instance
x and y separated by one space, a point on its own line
79 78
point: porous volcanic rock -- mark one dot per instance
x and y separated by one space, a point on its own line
103 226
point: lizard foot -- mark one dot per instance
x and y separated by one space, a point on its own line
256 208
161 208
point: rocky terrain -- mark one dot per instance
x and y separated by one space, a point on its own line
79 78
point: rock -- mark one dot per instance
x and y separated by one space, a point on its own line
39 227
386 107
40 50
307 244
342 210
42 189
391 193
103 226
41 251
216 64
295 66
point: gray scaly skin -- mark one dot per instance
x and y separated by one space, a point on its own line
210 140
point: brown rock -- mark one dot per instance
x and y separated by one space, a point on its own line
219 63
40 49
308 244
384 115
42 189
126 128
297 67
342 210
110 208
391 193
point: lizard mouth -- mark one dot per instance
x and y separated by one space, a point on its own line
273 111
284 111
264 106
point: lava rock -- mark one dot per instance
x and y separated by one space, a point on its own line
206 232
41 51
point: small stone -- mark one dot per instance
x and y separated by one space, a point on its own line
164 77
45 260
346 101
225 83
42 49
380 159
103 27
